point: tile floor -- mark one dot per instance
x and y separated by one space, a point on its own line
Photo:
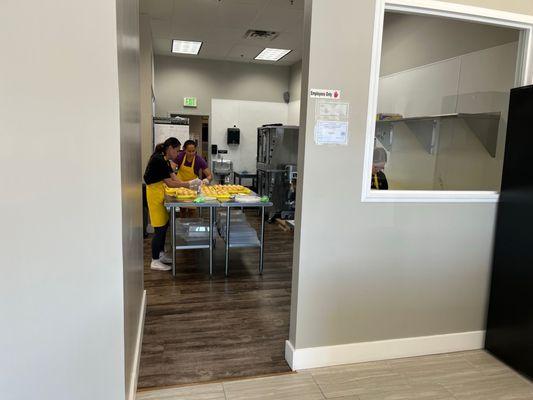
473 375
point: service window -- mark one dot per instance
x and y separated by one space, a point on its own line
442 104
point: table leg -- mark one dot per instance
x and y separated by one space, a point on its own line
228 213
211 241
173 232
262 247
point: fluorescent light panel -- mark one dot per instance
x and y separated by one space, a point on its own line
269 54
186 46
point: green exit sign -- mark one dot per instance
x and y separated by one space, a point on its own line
189 101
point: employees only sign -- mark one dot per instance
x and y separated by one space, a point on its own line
330 94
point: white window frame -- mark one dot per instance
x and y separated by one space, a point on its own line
524 76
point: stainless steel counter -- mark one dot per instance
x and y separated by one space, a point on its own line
172 203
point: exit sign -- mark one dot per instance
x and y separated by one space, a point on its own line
189 101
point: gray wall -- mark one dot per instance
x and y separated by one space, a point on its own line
61 290
413 40
177 77
373 271
295 82
130 163
146 79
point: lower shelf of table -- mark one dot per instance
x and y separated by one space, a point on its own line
200 243
192 247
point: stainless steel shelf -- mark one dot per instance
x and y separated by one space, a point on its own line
489 115
426 128
192 247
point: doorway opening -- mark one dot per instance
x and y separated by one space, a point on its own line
223 311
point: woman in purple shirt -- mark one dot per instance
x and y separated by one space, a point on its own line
192 166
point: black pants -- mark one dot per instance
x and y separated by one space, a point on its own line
158 241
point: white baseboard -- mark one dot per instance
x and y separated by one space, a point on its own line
314 357
134 374
289 353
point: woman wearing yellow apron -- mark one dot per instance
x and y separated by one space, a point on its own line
191 166
158 174
379 180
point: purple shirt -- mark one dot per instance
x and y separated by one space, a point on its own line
199 163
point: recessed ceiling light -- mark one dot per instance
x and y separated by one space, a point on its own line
186 47
269 54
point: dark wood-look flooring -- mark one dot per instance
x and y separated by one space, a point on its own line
199 329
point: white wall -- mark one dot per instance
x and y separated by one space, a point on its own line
295 82
380 270
427 90
294 112
472 83
413 40
247 116
146 88
62 283
295 90
128 48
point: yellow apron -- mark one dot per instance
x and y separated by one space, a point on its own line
155 196
186 174
376 181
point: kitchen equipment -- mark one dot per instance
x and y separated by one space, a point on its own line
222 168
277 157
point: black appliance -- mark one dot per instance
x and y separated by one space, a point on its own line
234 135
509 334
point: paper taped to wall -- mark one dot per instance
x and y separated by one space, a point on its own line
331 132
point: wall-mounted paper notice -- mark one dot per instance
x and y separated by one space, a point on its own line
331 132
332 110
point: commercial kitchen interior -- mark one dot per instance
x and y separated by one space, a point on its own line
417 291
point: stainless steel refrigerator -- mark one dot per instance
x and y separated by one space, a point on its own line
510 316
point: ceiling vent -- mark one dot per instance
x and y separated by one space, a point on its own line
260 35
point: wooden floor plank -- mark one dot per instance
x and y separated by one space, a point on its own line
199 329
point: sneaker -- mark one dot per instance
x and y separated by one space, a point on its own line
165 258
159 266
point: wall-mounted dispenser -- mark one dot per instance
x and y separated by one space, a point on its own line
234 135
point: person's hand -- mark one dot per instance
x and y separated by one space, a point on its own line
194 183
205 181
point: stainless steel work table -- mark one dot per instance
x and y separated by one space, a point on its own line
233 204
172 203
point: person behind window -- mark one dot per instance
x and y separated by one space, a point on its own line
379 180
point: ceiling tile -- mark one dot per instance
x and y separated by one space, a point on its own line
221 26
157 8
215 49
294 5
287 41
211 14
160 27
279 19
244 52
162 46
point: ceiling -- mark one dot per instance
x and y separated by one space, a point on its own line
222 24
